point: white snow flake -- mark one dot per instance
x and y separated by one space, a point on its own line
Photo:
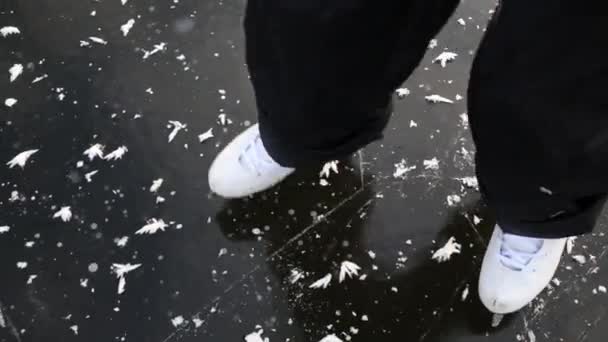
453 200
15 71
445 57
156 184
401 169
94 151
177 321
432 164
321 283
445 253
206 136
4 229
349 269
22 265
98 40
157 48
121 270
256 336
9 30
152 227
331 338
117 153
438 99
65 214
402 92
10 102
89 176
328 168
21 159
177 126
127 27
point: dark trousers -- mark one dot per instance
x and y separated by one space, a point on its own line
324 72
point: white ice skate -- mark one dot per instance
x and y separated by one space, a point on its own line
244 167
516 269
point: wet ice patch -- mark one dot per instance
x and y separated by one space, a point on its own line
322 283
126 27
156 184
331 338
21 159
15 71
205 136
121 271
152 227
65 214
348 269
445 57
177 126
256 336
437 99
10 102
117 153
402 169
8 31
445 253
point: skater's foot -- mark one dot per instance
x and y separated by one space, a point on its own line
516 269
244 167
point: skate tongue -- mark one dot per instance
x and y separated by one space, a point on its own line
516 251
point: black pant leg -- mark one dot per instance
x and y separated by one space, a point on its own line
324 71
539 117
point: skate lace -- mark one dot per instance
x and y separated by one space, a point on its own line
255 158
516 252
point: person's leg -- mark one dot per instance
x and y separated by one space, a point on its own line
539 122
323 72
